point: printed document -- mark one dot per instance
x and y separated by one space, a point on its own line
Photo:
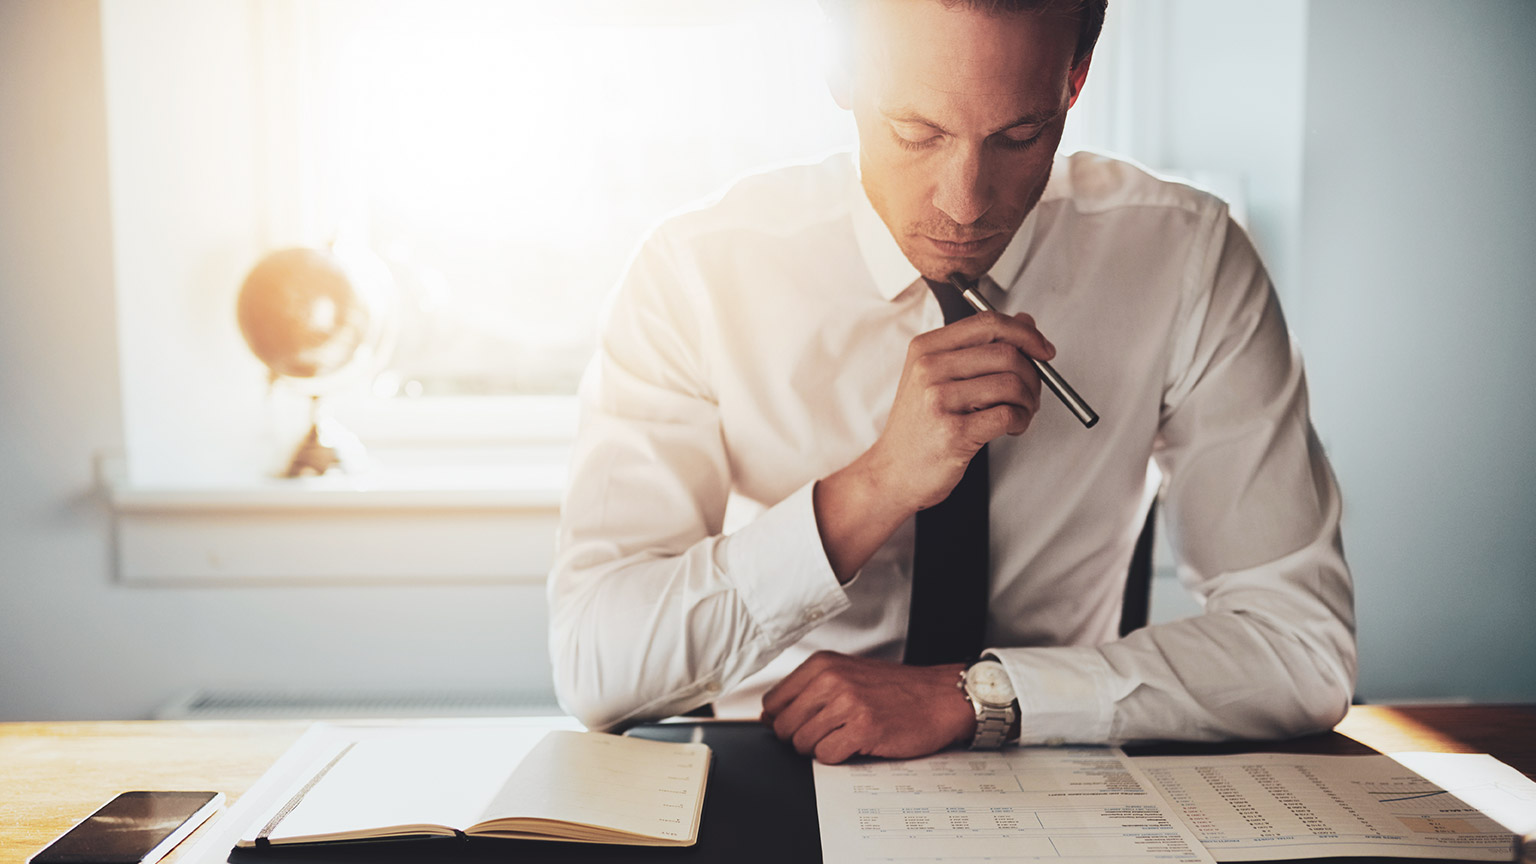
1262 806
1014 805
1500 792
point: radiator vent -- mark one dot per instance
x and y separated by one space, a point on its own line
288 704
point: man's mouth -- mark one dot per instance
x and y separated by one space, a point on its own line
961 249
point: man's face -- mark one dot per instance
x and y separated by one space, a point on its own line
959 115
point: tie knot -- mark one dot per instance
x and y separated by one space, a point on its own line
951 302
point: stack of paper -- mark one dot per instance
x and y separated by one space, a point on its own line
1098 806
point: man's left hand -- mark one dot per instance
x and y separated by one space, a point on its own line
836 706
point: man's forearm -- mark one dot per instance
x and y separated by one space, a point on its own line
645 635
854 516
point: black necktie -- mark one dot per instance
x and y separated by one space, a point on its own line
950 570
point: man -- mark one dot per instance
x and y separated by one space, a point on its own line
777 355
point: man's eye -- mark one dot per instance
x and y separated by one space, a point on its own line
914 141
1013 143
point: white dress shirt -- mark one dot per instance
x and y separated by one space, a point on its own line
755 346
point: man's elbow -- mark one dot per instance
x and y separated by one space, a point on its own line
1324 711
589 712
613 703
602 700
585 689
581 694
1324 699
618 708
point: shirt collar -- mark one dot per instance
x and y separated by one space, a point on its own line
1011 263
888 265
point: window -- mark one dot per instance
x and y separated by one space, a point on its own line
505 158
502 159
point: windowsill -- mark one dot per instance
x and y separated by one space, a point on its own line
463 487
418 517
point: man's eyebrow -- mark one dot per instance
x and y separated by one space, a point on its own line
1032 118
907 115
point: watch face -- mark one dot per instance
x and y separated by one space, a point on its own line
988 681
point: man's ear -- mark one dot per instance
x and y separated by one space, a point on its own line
1077 77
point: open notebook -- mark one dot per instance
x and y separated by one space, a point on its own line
497 782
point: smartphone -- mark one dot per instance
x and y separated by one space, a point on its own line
133 828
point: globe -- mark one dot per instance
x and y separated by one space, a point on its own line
321 320
302 315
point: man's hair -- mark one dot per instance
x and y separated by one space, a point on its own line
1089 14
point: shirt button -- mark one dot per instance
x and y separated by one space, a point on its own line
1055 742
813 615
712 687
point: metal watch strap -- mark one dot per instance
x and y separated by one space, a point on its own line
991 729
992 724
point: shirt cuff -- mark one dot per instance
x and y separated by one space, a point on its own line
780 570
1066 694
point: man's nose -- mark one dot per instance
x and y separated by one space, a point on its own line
964 189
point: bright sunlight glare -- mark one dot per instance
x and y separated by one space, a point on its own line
517 152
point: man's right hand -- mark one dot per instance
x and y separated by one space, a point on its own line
963 385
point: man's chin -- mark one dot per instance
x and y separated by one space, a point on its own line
938 267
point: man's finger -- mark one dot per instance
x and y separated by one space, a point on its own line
983 327
792 717
784 692
838 746
816 728
995 422
976 394
977 361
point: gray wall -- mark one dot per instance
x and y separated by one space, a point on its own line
1419 296
1412 303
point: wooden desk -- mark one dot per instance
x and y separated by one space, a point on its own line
53 774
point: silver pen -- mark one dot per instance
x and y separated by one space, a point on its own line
1058 384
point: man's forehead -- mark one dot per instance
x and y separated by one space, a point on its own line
911 114
913 52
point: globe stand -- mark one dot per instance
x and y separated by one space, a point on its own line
324 319
327 445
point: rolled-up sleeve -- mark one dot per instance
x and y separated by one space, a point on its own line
653 610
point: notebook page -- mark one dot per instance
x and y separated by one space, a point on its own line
432 777
651 788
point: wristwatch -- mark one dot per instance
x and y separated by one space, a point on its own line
986 683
